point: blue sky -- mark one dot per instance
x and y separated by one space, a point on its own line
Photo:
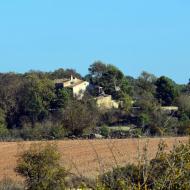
135 35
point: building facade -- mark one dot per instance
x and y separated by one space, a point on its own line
77 86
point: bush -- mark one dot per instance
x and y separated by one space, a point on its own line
184 128
104 131
41 169
126 175
4 132
46 130
166 171
79 117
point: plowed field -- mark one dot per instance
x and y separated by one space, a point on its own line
87 157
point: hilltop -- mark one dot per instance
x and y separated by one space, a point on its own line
105 104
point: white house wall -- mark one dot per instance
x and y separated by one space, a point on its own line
79 90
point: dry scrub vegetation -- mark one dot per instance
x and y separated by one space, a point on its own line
88 157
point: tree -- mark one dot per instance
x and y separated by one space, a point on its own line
10 85
61 73
127 103
110 78
35 98
97 69
147 102
79 116
183 102
62 97
166 91
40 167
69 72
3 127
145 84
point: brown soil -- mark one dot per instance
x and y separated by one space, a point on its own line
88 157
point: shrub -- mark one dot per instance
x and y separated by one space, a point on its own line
79 116
104 131
4 132
126 175
40 167
45 130
184 128
164 172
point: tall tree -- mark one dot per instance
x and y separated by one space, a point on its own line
10 84
110 78
146 82
166 91
62 97
97 69
35 97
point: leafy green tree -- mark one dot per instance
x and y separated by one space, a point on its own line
97 69
110 78
183 102
185 88
36 96
114 82
79 116
166 91
40 166
10 84
145 84
147 103
57 74
62 97
127 103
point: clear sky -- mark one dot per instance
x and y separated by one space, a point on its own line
135 35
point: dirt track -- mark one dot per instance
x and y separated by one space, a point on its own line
87 157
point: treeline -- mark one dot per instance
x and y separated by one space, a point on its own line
32 108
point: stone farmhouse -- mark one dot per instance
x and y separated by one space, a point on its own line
77 86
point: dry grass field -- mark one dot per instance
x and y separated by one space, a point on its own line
87 157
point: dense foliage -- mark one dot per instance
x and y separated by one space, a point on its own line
41 168
164 172
31 107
